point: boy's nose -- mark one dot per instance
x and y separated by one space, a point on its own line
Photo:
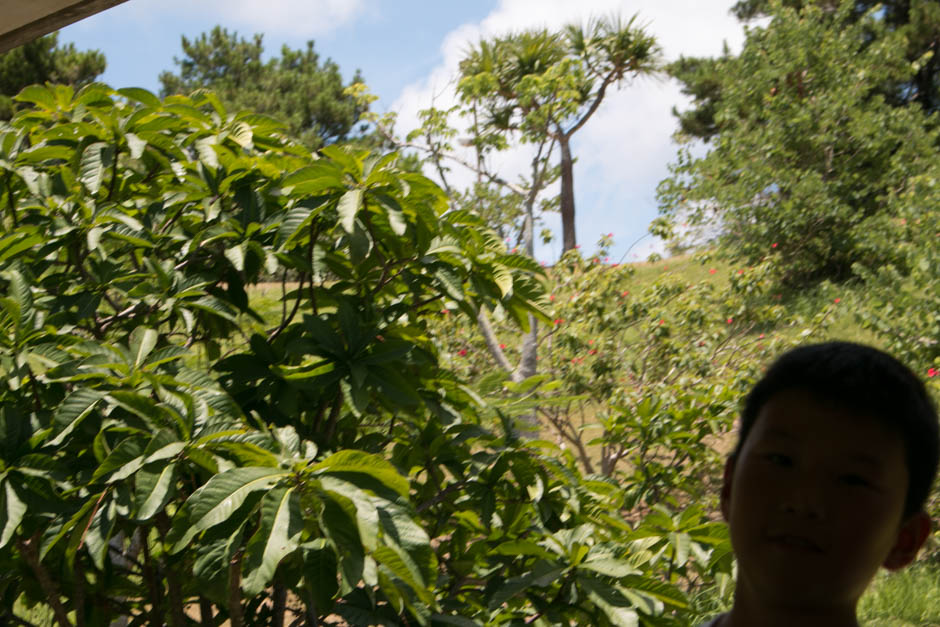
804 499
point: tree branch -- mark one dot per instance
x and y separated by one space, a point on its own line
30 552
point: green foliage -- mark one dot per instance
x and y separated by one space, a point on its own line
43 60
917 20
546 85
295 87
810 159
907 597
154 454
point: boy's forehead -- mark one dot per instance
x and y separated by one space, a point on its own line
796 414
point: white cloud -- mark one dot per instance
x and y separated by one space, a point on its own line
624 149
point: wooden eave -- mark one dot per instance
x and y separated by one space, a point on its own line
22 21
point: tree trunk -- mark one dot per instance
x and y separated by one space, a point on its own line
568 238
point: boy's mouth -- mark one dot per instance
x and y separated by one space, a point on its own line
798 542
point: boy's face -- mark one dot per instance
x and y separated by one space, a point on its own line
814 502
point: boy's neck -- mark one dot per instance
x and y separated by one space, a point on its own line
744 614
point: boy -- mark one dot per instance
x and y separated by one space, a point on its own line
837 451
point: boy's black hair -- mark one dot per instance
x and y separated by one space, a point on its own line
863 380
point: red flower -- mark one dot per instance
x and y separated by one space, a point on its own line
774 245
932 372
551 297
712 271
606 259
593 351
730 320
610 235
590 342
837 300
761 336
740 271
445 311
502 346
662 322
558 321
462 352
624 293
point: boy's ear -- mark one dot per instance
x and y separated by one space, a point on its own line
911 536
726 488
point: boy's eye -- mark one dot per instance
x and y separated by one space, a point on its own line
779 459
852 479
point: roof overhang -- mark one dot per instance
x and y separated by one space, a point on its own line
25 20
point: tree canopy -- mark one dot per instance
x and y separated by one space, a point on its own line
44 60
294 87
546 85
810 157
916 21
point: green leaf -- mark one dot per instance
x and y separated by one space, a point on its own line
155 494
125 459
277 536
142 341
542 574
19 241
361 463
339 525
39 95
205 148
297 221
366 515
12 510
135 144
242 134
99 531
405 570
659 589
236 255
348 207
215 501
91 168
612 602
72 411
503 279
140 95
320 574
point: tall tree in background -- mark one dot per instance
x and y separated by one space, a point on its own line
543 84
295 87
916 21
44 60
811 160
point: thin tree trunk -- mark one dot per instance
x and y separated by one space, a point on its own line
235 615
205 612
280 604
30 552
569 241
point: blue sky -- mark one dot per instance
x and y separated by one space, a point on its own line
408 50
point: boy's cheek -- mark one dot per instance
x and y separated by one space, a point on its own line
727 478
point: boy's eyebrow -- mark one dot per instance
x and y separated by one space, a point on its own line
855 456
865 458
777 432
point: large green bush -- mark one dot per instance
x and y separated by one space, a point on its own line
154 454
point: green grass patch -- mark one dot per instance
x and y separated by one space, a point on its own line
905 598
